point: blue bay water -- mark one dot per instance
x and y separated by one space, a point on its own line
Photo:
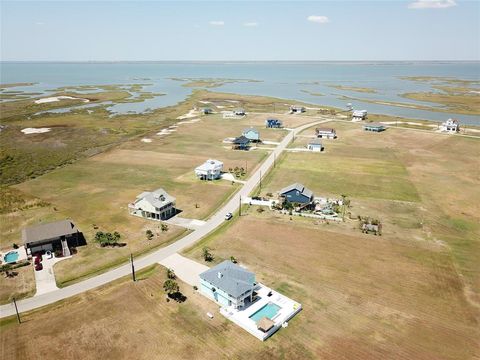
278 79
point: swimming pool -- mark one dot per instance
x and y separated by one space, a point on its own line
11 256
269 311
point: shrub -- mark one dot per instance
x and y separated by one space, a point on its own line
207 256
149 234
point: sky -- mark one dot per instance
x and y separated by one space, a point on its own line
239 30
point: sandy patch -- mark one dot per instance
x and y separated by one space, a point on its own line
27 131
58 98
205 102
191 114
146 140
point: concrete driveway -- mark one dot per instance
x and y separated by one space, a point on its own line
185 269
45 278
192 224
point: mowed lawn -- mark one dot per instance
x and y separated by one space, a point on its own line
96 191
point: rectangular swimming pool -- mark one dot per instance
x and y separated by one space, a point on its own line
269 311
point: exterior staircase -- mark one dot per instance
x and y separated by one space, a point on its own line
65 249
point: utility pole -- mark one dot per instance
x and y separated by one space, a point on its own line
16 310
245 167
260 180
274 157
133 267
240 207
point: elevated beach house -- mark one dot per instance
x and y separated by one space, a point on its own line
239 112
209 170
451 126
359 115
315 145
297 193
273 123
206 111
297 109
255 307
154 205
228 284
241 143
251 134
375 127
58 235
327 133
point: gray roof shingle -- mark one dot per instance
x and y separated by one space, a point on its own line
38 233
233 279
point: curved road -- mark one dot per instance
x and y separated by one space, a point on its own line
155 257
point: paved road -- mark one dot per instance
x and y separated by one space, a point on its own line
157 256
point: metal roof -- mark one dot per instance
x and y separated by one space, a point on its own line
230 278
299 187
241 140
42 232
157 198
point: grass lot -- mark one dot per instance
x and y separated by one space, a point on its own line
22 285
96 190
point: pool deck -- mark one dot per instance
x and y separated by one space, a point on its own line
22 255
289 308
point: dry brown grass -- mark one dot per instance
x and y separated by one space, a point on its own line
22 285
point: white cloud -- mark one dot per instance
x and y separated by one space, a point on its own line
320 19
432 4
217 23
250 24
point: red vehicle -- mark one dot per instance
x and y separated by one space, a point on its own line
38 260
38 267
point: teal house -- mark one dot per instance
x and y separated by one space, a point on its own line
251 134
229 285
375 127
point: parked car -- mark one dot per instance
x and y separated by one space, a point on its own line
228 216
37 260
38 267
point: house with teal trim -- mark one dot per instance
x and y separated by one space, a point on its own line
229 285
251 134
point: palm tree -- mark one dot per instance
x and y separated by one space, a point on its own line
171 287
171 274
344 197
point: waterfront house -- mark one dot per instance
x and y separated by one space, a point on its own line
297 109
210 170
154 205
375 127
228 284
315 145
206 111
251 134
241 143
273 123
297 193
327 133
451 126
359 115
58 235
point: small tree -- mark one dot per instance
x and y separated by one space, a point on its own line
171 287
171 274
233 260
116 236
149 234
164 227
207 256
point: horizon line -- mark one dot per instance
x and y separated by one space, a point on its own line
231 61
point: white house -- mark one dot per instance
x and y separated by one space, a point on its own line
239 112
297 109
210 170
155 205
451 126
315 145
327 133
251 134
359 115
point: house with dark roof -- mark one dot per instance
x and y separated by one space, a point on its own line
229 285
58 235
296 193
154 205
251 134
241 143
273 123
206 111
